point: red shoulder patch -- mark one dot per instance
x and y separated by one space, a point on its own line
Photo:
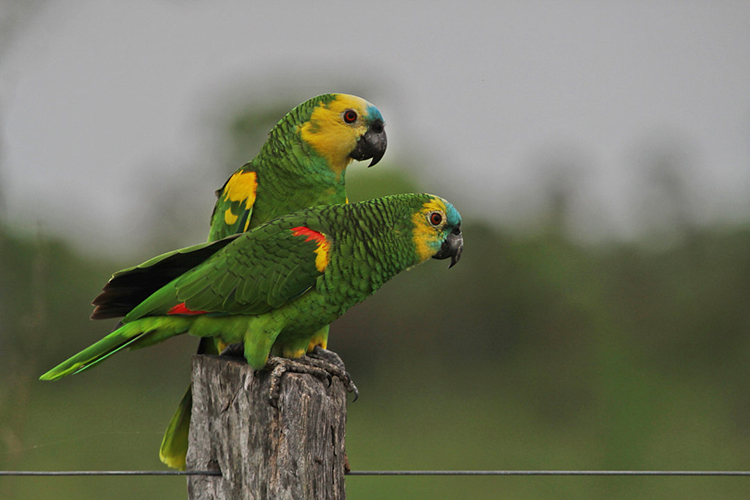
321 251
311 235
183 309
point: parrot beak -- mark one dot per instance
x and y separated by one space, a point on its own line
451 247
372 144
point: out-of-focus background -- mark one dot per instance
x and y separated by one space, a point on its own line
600 155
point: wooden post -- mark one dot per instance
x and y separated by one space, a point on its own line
292 451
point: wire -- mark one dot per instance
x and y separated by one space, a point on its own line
545 473
394 473
110 473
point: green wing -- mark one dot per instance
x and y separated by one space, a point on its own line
129 287
259 271
234 206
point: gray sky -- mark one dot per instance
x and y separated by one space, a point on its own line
95 95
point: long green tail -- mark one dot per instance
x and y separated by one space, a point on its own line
174 445
94 354
135 334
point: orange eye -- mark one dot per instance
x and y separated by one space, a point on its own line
436 218
350 116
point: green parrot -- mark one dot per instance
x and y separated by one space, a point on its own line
302 164
273 287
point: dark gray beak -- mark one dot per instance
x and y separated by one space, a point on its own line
451 247
372 144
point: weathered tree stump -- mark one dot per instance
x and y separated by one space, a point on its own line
292 451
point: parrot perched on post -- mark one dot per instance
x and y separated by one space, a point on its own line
274 287
302 164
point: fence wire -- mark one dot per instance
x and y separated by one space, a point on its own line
56 473
394 473
545 473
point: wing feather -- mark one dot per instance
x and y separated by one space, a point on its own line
234 206
260 271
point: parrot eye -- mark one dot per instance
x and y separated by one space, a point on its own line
435 218
350 116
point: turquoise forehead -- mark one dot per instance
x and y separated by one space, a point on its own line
454 218
373 113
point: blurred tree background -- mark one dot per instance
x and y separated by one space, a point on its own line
538 351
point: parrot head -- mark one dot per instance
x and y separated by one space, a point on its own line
437 230
342 128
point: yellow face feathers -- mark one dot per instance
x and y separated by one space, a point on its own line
333 130
429 222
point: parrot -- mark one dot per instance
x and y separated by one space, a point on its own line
273 287
302 164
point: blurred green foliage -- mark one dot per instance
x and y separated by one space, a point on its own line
536 352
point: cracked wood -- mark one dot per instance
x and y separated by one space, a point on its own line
295 451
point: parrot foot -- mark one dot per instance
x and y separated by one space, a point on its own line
326 355
333 364
319 368
279 366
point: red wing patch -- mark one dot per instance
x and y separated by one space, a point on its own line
181 308
321 252
311 235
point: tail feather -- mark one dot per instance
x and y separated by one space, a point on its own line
174 445
92 355
129 335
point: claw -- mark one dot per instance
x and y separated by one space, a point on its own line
326 355
282 365
322 364
333 364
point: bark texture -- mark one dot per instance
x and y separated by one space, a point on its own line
293 451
